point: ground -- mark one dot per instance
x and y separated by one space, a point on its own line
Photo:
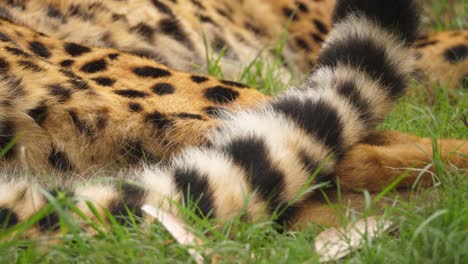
426 230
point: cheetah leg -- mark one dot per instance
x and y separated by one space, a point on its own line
373 164
386 156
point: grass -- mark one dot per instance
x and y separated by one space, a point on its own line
442 15
435 231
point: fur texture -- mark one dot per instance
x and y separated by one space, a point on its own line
225 149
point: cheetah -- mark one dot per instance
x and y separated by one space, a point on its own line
81 102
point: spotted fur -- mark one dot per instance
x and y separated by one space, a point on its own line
173 33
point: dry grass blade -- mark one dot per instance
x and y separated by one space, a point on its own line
177 228
336 243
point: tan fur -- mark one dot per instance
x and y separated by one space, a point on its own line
372 167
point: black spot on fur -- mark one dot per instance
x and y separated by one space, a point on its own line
317 118
256 30
82 126
8 218
117 17
302 43
207 19
163 88
131 93
39 49
162 7
5 14
316 37
51 221
134 152
39 113
59 160
113 56
76 49
195 191
218 43
68 73
198 4
312 167
29 65
320 26
144 30
82 13
54 12
251 153
4 37
94 66
102 120
159 120
79 83
149 71
16 89
286 214
214 111
104 81
7 139
184 115
456 54
67 63
221 94
135 107
235 84
75 80
172 27
224 14
289 13
199 79
4 65
17 52
302 7
61 93
17 4
364 54
398 16
131 199
108 39
74 10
